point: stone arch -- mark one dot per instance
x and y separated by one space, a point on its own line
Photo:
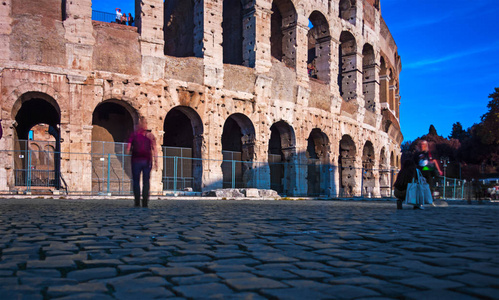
232 27
182 142
319 47
29 110
346 164
238 150
369 77
348 10
283 39
179 28
368 168
318 148
112 123
347 80
281 155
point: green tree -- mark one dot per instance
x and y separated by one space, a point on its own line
432 130
490 121
458 132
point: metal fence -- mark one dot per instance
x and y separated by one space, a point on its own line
107 171
105 17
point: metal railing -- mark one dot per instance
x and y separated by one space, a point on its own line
106 170
106 17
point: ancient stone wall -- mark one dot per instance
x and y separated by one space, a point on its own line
307 108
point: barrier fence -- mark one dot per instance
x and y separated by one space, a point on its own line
105 17
107 171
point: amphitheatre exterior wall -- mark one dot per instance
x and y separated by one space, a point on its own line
79 69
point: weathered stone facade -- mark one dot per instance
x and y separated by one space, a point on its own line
244 76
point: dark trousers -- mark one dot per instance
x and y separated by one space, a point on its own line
143 167
428 175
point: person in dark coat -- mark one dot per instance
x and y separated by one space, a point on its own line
404 177
142 147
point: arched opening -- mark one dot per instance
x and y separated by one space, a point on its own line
37 118
368 179
384 174
112 124
182 165
346 164
369 77
283 32
319 47
318 162
281 153
238 150
347 79
232 32
348 11
179 27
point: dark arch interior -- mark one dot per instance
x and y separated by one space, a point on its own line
317 144
112 123
33 112
276 32
179 27
178 130
231 136
232 32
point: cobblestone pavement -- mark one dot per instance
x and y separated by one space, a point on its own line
106 249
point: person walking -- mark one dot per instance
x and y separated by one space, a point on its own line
405 176
142 147
427 164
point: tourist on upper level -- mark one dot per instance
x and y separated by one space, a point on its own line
130 19
118 15
123 19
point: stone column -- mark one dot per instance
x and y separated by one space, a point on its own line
150 24
5 30
256 33
397 104
79 34
324 59
76 136
7 156
211 13
301 48
384 91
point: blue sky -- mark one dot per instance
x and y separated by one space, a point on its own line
450 59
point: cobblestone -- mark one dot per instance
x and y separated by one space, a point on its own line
106 249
